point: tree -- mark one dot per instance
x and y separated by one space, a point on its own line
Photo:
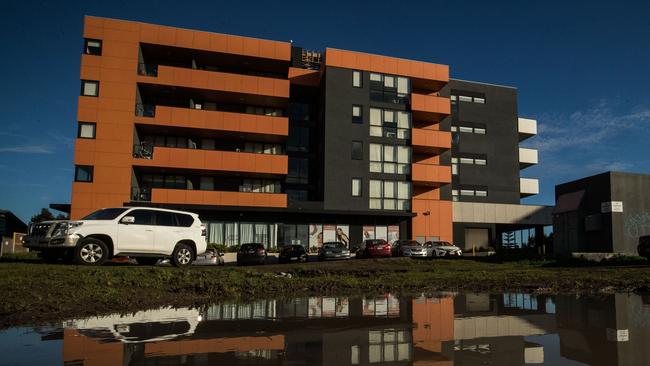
46 215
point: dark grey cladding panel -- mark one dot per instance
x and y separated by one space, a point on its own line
500 144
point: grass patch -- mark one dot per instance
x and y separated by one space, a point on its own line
34 292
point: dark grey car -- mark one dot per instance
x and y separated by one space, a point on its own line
251 253
332 251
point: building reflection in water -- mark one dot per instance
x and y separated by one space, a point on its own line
440 329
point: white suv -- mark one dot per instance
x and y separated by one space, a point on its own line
144 233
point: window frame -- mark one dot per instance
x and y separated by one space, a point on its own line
359 155
93 124
360 78
360 185
91 174
87 40
83 84
357 119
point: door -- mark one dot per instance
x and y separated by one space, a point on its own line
168 233
137 237
479 238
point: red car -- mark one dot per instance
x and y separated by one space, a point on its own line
374 248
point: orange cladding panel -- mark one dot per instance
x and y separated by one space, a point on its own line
165 157
218 121
388 65
436 222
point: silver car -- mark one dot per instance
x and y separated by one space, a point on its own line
408 248
442 249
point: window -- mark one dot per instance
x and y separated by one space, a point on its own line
83 173
298 139
465 129
356 114
184 220
93 47
392 159
262 111
260 186
464 98
164 218
89 88
454 169
298 170
389 88
390 195
466 161
480 161
479 100
466 192
390 123
206 184
356 187
481 193
297 195
86 130
142 217
357 150
356 79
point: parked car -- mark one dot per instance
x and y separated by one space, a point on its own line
409 248
251 253
442 249
146 234
293 253
372 248
644 246
333 250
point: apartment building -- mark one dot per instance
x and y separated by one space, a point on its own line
488 159
266 141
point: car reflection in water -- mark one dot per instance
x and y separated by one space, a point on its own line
433 329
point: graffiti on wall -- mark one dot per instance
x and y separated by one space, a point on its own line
637 225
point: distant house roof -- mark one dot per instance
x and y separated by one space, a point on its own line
568 202
10 224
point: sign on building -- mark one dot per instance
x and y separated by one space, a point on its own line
613 206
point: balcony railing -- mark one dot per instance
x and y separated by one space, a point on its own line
145 110
140 194
147 69
143 150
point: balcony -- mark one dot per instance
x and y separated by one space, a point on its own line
211 160
527 128
218 198
430 175
429 107
527 157
214 80
229 122
430 141
528 187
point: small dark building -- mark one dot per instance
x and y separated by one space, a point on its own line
604 213
10 224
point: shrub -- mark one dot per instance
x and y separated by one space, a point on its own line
220 248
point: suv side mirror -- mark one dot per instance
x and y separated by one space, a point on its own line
127 220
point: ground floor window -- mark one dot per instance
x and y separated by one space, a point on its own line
388 233
236 233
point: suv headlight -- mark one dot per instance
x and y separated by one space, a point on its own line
62 228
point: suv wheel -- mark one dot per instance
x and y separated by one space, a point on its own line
92 252
182 256
147 261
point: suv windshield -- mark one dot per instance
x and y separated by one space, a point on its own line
105 214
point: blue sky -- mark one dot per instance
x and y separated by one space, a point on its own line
582 70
